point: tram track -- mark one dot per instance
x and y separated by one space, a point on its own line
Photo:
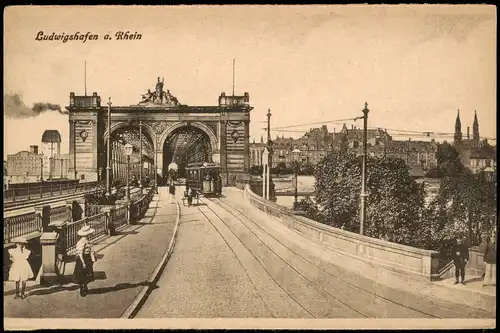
371 300
328 297
256 258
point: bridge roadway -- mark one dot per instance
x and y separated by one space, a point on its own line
231 261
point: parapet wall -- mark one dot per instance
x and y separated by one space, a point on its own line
406 260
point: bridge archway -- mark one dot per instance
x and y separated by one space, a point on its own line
121 134
186 144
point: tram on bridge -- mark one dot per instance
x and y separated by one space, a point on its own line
204 178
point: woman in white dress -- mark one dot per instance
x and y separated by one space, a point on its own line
20 270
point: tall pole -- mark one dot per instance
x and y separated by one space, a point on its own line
268 127
61 168
128 173
233 76
140 158
295 196
108 153
270 160
74 149
41 168
363 172
85 77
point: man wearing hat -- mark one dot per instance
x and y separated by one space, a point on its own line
20 270
85 258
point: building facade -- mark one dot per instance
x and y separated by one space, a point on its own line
475 154
24 167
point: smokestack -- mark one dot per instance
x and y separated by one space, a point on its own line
34 150
468 133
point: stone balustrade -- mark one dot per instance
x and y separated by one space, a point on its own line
413 262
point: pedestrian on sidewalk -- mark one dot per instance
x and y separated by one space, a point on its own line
460 256
172 192
20 270
490 259
190 197
85 258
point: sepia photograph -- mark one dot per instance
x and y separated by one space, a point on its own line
250 166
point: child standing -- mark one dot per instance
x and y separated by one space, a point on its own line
20 270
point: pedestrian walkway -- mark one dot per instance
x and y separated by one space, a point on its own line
473 283
125 262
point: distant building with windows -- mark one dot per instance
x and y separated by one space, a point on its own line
25 166
475 153
420 156
36 164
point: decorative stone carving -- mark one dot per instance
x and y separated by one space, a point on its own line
84 135
159 97
235 123
235 136
160 127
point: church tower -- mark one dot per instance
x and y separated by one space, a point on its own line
475 129
458 129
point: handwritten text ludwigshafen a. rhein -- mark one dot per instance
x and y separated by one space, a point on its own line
78 36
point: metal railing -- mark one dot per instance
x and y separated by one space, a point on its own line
120 216
69 233
46 191
21 225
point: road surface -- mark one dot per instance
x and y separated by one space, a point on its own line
227 263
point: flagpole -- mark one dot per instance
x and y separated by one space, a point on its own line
233 76
85 77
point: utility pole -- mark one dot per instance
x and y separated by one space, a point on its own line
270 159
363 172
269 142
140 159
108 153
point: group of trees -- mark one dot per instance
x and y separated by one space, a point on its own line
396 210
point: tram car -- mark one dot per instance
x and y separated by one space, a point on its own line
204 178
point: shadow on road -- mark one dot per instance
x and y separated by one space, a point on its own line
119 286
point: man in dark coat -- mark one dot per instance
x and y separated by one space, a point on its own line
460 256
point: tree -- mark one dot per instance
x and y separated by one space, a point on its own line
394 204
448 161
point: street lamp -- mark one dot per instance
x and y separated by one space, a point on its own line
363 172
108 153
187 161
41 168
128 151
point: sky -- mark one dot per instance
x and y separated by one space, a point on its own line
415 66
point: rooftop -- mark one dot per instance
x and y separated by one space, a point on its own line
51 136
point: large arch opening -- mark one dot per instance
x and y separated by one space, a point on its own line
119 138
186 144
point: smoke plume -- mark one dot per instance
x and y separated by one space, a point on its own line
14 107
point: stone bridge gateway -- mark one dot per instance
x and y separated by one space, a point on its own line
169 131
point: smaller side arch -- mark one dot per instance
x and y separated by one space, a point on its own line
147 129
